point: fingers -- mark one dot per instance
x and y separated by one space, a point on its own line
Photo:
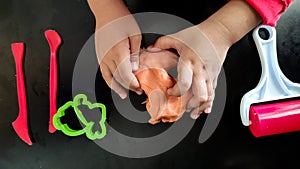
125 77
165 42
206 107
111 82
152 49
185 78
200 94
117 71
184 67
189 76
135 44
195 113
202 100
211 96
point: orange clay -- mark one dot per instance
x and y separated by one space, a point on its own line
155 81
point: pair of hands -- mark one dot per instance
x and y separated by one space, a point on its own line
198 67
202 48
118 39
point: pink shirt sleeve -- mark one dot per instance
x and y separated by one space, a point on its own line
270 10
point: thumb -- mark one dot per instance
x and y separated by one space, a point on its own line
165 42
135 44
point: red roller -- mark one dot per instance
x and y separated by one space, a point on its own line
265 109
276 118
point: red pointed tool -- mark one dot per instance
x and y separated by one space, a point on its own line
54 41
20 124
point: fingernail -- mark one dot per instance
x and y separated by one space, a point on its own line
169 91
207 110
123 95
135 66
188 110
139 92
194 116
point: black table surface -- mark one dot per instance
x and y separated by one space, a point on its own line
231 146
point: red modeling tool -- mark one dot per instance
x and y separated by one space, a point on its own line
20 124
259 110
54 41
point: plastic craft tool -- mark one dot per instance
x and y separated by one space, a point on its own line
20 125
78 100
267 109
54 41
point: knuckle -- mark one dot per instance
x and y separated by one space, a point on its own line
117 78
108 82
201 111
184 85
210 98
202 70
127 77
105 74
134 57
193 104
162 39
203 99
120 59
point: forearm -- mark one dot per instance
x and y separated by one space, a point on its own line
107 10
230 23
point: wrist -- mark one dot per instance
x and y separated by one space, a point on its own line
217 36
106 11
229 24
235 20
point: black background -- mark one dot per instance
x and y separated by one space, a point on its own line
231 146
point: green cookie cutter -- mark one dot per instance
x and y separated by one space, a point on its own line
88 125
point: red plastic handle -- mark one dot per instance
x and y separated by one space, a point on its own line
54 41
53 90
20 124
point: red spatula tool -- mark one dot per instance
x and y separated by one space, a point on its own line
54 41
20 124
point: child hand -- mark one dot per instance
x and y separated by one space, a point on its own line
200 62
117 43
118 64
